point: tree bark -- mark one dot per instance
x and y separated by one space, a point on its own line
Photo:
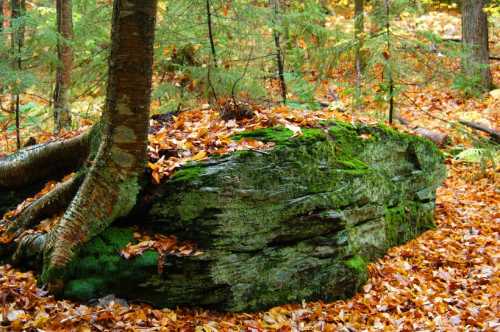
46 206
62 116
279 53
358 61
43 162
210 34
111 186
18 7
1 18
475 41
387 7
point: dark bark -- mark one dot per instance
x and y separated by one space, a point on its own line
62 115
275 4
437 137
210 34
111 185
387 8
358 61
1 19
475 40
18 8
44 161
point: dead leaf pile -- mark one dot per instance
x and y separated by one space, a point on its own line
196 134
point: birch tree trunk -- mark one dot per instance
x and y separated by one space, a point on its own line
110 189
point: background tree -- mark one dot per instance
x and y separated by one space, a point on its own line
276 7
475 39
18 8
1 17
358 35
62 115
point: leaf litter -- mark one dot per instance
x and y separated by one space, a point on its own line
448 279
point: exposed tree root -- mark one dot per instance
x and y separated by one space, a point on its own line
44 161
29 245
112 180
56 200
112 184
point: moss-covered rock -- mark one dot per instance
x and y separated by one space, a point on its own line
300 221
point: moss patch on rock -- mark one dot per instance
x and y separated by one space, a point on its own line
300 221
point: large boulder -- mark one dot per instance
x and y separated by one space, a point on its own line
298 221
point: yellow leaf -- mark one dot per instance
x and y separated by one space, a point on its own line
199 156
156 177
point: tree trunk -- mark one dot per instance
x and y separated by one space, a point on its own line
110 188
62 116
279 52
475 40
1 18
358 62
210 34
387 55
18 8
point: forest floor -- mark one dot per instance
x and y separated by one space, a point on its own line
448 279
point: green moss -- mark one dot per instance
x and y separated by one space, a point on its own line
353 163
187 173
357 263
117 237
242 154
110 262
359 266
405 221
311 134
393 223
83 289
148 258
279 135
99 268
89 263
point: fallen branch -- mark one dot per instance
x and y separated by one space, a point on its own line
494 134
43 161
435 136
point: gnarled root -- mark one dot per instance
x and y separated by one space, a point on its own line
105 195
49 204
29 246
44 161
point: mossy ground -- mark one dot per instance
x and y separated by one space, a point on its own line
99 266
